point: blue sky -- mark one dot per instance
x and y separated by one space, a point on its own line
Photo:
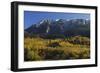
33 17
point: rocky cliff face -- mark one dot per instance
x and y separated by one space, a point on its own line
64 27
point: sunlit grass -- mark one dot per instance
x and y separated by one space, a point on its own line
56 49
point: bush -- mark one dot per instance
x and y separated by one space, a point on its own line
36 49
53 54
54 36
30 55
80 40
55 44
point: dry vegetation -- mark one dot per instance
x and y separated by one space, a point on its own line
36 49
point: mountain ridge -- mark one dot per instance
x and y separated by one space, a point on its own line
66 27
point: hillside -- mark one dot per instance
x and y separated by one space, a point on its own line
60 27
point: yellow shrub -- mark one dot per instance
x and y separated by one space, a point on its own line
51 49
65 44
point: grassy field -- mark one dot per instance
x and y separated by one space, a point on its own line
37 49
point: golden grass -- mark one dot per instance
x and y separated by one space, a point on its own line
54 49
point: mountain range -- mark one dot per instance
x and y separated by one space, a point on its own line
65 27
